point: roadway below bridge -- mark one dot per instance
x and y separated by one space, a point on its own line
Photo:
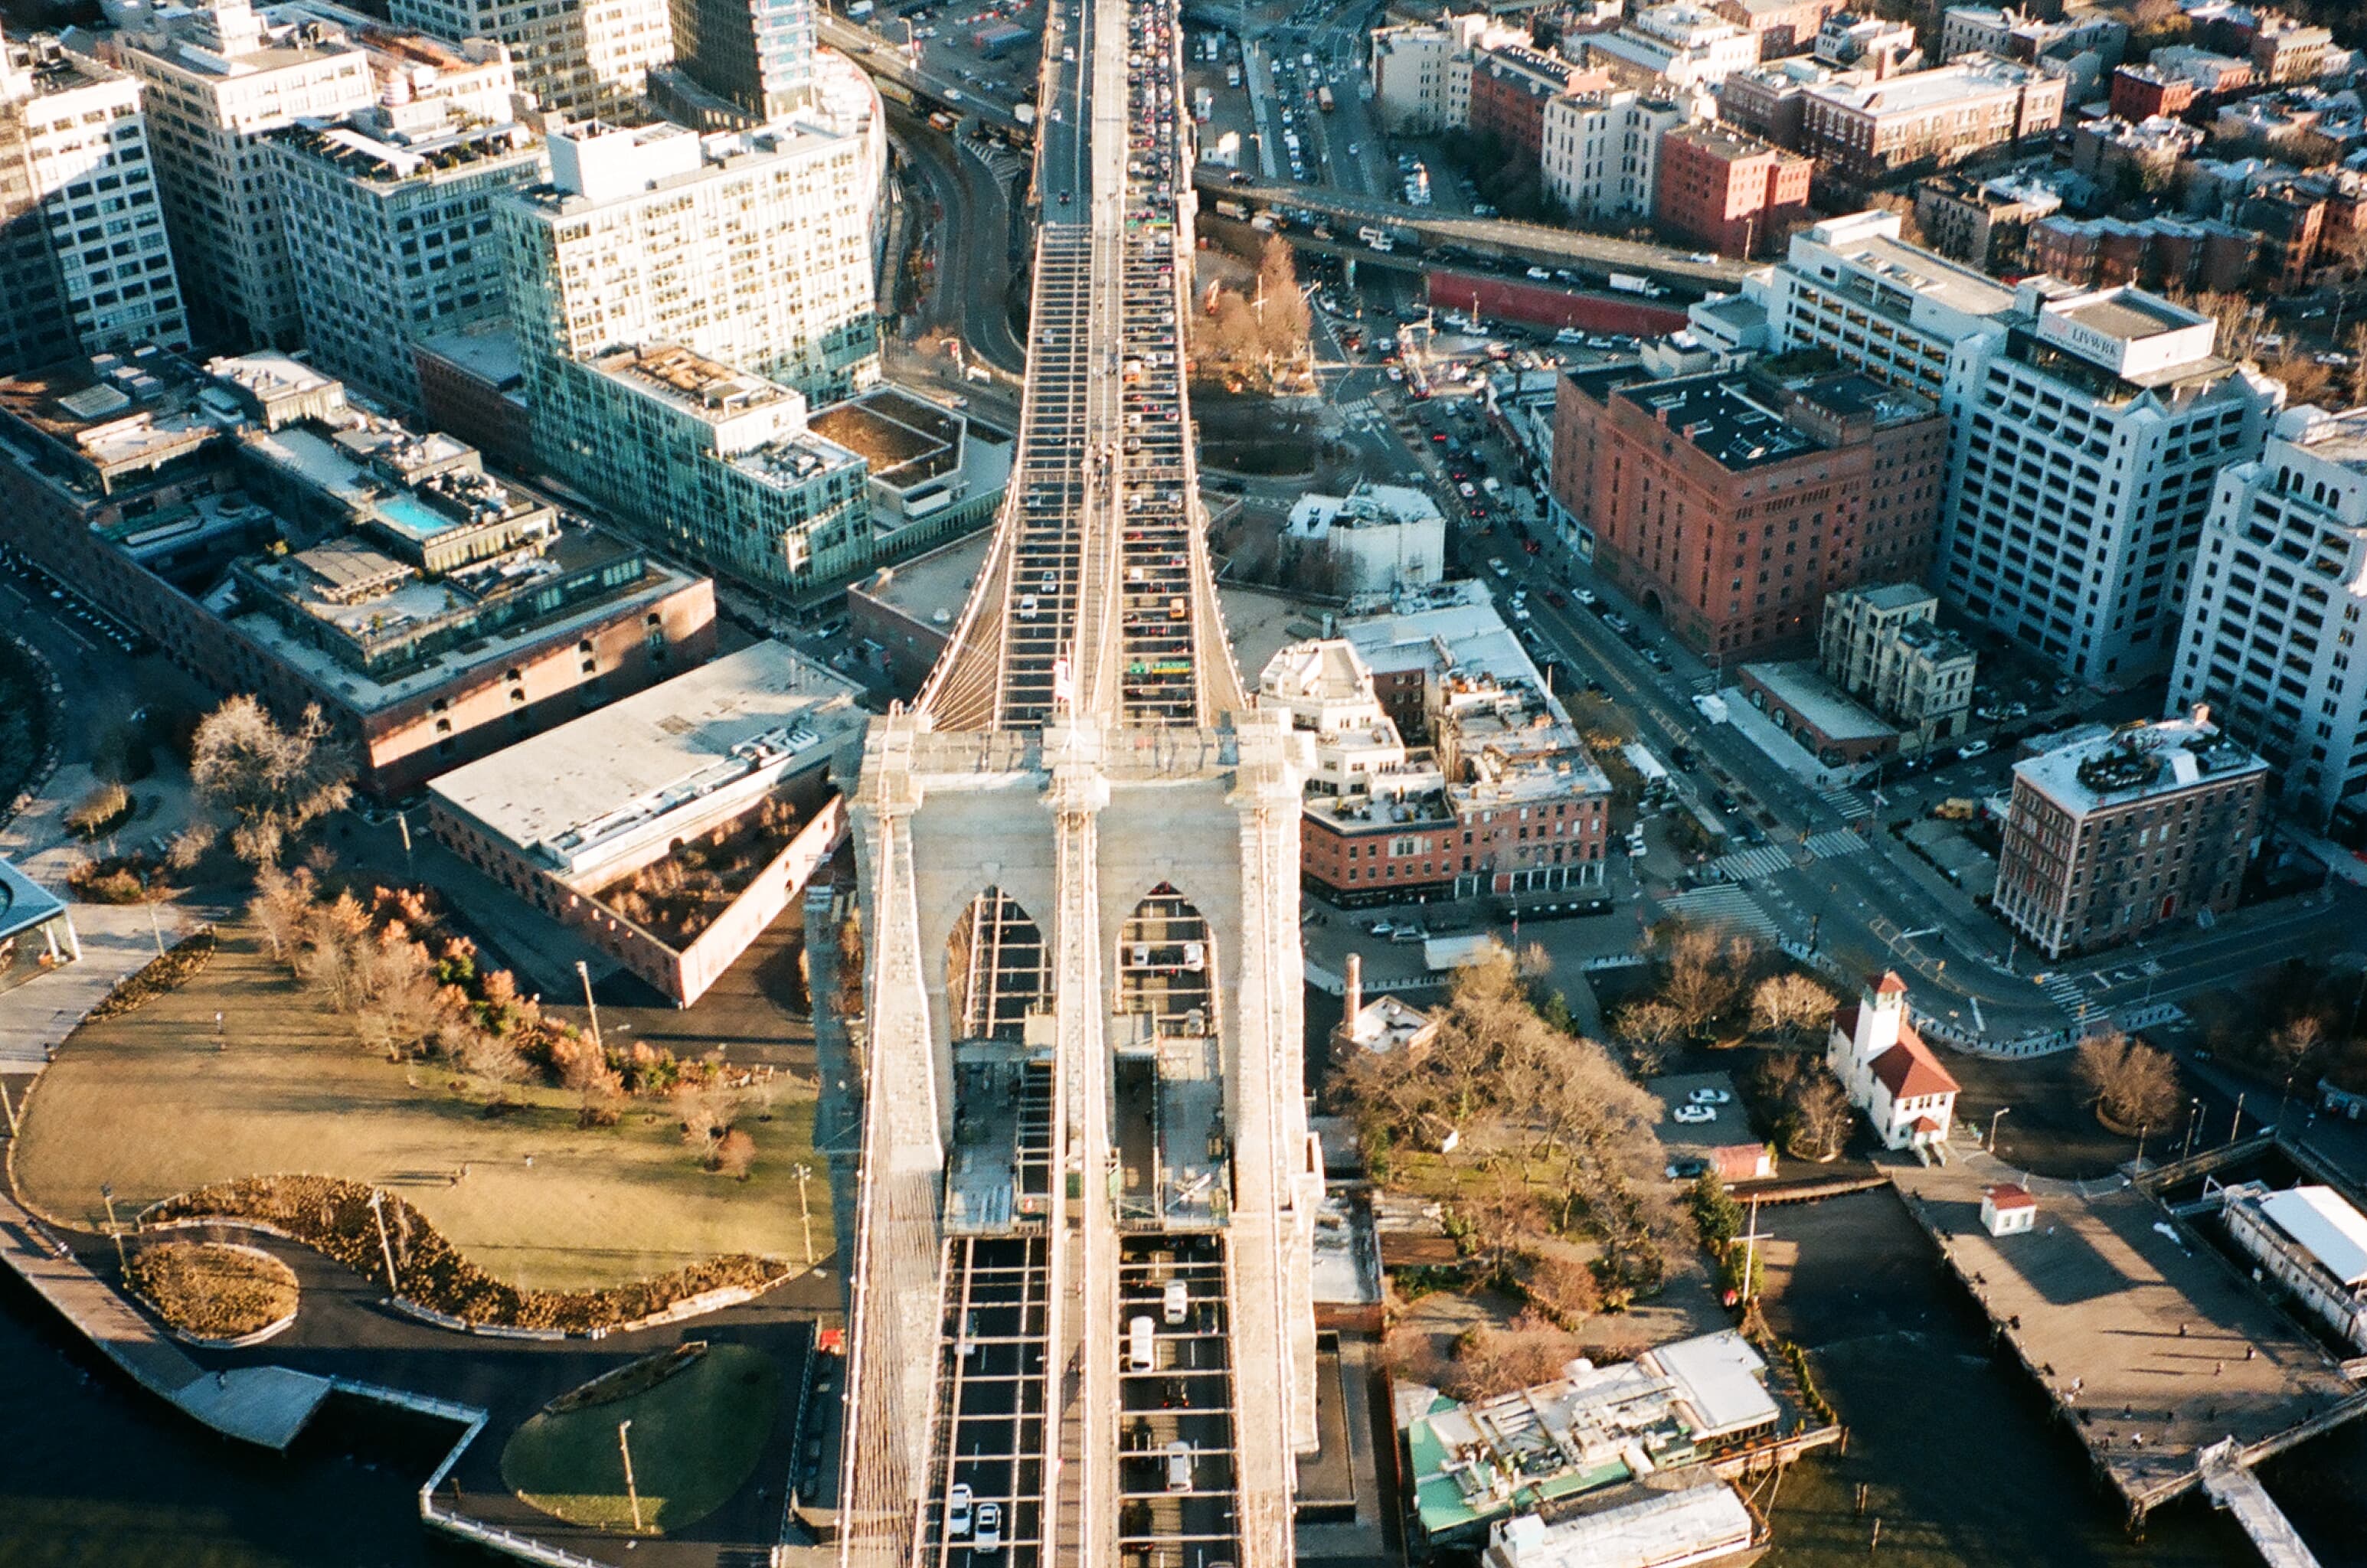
1500 239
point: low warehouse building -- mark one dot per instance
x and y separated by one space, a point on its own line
673 826
2312 1242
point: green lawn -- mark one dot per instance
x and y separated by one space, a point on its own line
695 1437
147 1104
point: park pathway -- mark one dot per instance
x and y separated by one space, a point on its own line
266 1405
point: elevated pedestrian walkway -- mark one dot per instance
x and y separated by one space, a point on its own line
2230 1485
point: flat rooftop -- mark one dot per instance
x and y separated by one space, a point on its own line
1853 393
490 353
1720 417
1818 702
24 903
645 746
1925 276
689 380
1917 92
906 440
2133 764
2128 316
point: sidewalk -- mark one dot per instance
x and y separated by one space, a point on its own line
116 939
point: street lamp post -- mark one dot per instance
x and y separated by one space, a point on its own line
805 1216
590 1007
1995 1117
2237 1124
632 1493
2193 1121
106 1196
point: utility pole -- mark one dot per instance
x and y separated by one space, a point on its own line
805 1216
2237 1124
8 1106
2193 1121
1994 1117
590 1005
403 822
632 1493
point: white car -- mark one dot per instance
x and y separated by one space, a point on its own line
957 1507
1687 1114
1972 749
1710 1096
1541 274
1467 489
1496 564
1583 595
988 1539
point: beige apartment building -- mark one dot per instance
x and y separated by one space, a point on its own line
1869 130
1882 644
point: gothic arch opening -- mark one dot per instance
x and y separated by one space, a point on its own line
997 968
1167 967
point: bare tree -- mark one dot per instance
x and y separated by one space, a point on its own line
735 1155
1790 1004
1705 975
1648 1029
1816 1113
583 1068
2296 1043
497 1062
706 1109
190 844
276 782
99 811
2134 1085
280 906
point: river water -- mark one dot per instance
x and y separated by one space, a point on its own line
1960 1459
96 1473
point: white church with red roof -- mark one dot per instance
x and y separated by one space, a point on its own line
1890 1074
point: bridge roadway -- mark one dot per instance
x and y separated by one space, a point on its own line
1096 1255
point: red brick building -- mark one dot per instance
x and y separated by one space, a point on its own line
1784 27
1730 504
1728 192
2140 92
1510 89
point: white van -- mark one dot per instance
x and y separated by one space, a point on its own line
1141 1341
1179 1466
1175 1301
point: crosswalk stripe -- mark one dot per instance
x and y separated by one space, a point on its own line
1746 865
1727 907
1839 841
1854 806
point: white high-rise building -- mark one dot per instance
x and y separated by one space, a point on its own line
2085 444
2085 430
1602 153
2273 616
749 247
1422 71
219 78
389 218
84 255
581 57
1894 311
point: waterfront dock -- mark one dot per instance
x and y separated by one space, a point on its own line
2154 1348
264 1405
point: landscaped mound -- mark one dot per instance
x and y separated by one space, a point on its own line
336 1217
212 1290
699 1424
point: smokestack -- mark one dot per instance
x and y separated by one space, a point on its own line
1355 989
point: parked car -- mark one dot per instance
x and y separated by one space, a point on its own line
1711 1097
1973 748
1689 1114
1693 1168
